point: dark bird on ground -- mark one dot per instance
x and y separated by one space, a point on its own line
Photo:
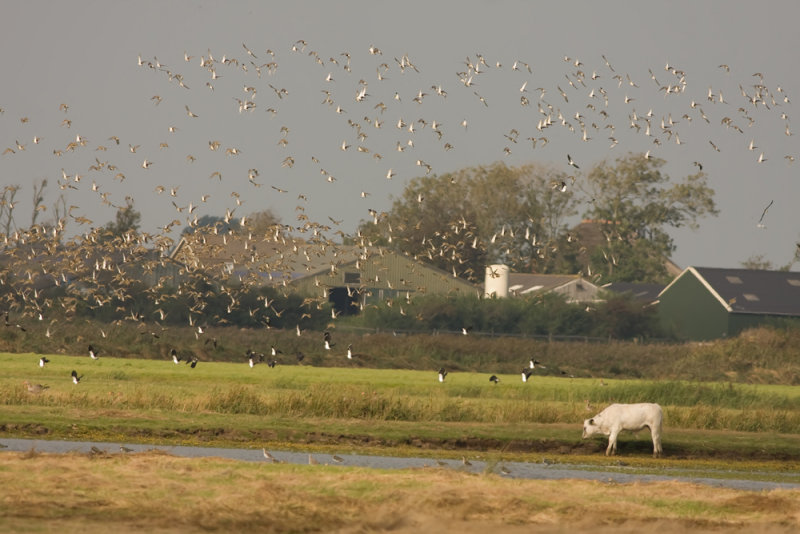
175 358
494 379
193 362
327 338
272 363
253 358
442 374
75 377
93 353
300 356
350 351
526 374
43 361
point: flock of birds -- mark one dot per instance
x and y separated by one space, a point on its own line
382 117
254 358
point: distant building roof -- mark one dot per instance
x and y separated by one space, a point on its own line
643 292
751 291
576 289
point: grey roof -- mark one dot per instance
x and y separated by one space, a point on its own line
645 292
522 283
752 291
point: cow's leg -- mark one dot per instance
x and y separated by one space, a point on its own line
612 442
656 434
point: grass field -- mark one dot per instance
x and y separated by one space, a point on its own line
709 427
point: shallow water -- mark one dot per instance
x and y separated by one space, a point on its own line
545 470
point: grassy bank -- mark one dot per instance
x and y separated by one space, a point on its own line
760 356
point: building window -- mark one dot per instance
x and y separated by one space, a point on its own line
352 278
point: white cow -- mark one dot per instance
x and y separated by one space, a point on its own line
632 417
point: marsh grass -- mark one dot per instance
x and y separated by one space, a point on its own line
160 493
234 389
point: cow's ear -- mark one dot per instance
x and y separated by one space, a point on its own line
591 421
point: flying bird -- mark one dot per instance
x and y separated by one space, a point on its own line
571 162
760 223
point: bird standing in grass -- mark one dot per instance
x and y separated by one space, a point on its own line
175 358
93 353
526 374
43 361
35 388
494 379
442 374
350 351
75 378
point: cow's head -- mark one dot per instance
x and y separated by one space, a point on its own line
589 428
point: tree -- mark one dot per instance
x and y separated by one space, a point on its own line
38 199
207 222
637 203
127 220
262 222
465 220
7 208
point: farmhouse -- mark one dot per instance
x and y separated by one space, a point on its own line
349 276
707 303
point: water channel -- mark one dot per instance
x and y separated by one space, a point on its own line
546 469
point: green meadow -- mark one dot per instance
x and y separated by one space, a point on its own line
712 429
232 404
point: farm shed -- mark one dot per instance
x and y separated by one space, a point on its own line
572 286
373 275
705 303
348 276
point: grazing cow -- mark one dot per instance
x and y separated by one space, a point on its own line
632 417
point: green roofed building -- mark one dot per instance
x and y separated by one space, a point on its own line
704 303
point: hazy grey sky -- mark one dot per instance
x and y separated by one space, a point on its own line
84 54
